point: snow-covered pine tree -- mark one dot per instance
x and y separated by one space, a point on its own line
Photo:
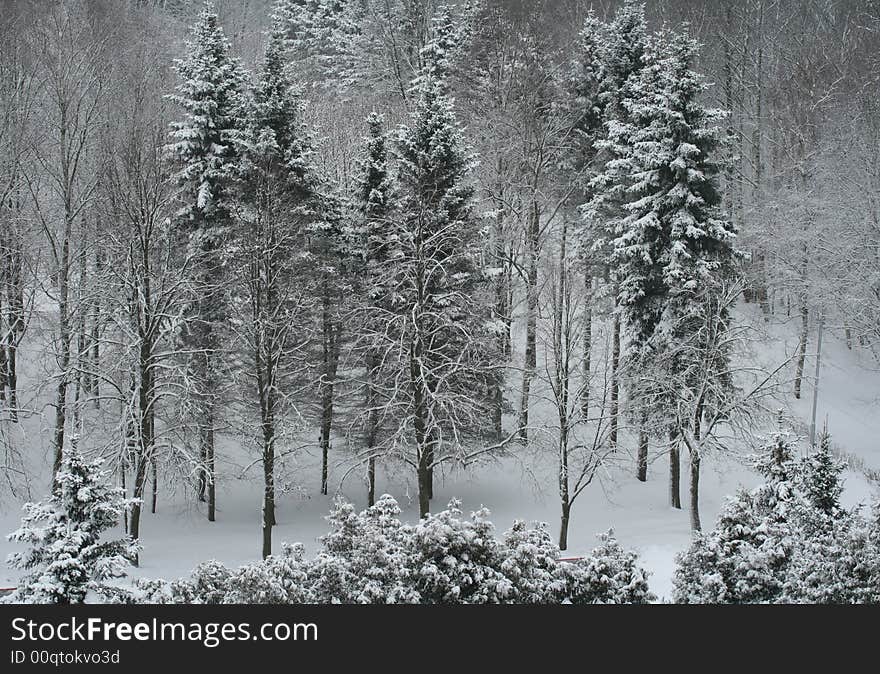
440 329
276 201
670 246
328 249
326 39
585 96
585 107
786 541
374 241
69 555
698 259
820 478
205 147
620 51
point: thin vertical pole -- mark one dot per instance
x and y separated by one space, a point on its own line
816 382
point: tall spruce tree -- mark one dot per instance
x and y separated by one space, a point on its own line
205 146
620 54
442 330
377 245
586 110
276 203
668 241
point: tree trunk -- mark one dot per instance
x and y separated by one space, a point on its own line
430 454
802 348
140 479
695 468
420 413
695 491
4 363
155 489
563 525
269 520
501 310
497 405
424 499
82 373
64 352
267 533
12 376
674 472
372 363
203 464
615 380
642 461
15 311
212 482
331 361
531 354
371 478
588 346
125 513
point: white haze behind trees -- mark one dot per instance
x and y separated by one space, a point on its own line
256 255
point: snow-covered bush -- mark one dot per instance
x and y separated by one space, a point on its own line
68 555
278 579
532 565
372 557
365 560
609 575
458 561
786 541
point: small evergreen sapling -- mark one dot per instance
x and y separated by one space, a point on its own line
68 556
820 478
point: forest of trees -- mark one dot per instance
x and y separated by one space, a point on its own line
392 230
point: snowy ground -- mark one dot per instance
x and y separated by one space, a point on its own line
522 486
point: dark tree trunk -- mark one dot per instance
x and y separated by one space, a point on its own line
588 346
420 426
501 311
371 480
155 489
674 472
125 513
695 468
64 354
331 361
15 309
563 525
95 361
497 405
424 487
430 454
203 464
802 347
531 354
269 520
642 461
372 363
12 378
615 380
212 481
695 492
140 479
